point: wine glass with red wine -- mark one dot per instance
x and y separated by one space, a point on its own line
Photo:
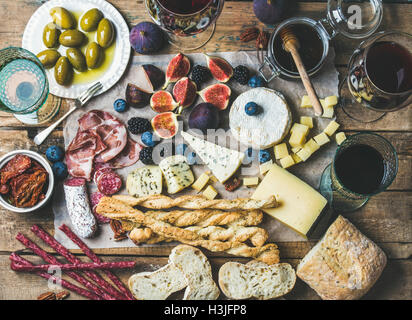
364 165
190 24
379 77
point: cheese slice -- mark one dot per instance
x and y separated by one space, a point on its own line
223 162
177 173
299 204
145 181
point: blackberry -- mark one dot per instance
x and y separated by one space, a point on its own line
241 74
146 155
200 74
139 125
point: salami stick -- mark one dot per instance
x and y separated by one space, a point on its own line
64 283
72 259
77 266
51 259
88 252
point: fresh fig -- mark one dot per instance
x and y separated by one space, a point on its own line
162 101
216 94
221 70
155 75
165 125
204 116
135 96
178 68
184 92
146 37
270 11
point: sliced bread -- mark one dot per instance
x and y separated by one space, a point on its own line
197 272
256 280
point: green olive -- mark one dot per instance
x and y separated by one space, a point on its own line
72 38
90 20
62 18
51 35
77 59
63 71
105 33
94 55
48 57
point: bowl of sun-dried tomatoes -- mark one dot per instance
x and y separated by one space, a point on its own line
26 181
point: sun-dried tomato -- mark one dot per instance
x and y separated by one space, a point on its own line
16 166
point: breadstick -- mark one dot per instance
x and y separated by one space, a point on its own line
197 202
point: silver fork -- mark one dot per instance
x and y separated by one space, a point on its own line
78 103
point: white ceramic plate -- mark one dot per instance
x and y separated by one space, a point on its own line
32 41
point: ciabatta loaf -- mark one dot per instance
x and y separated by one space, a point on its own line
256 280
344 264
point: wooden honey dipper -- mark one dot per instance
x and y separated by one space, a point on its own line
291 44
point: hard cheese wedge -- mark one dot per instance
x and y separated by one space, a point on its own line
223 162
299 204
177 173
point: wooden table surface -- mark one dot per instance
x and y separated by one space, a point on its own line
386 219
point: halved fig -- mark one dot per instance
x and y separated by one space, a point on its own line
135 96
184 92
221 70
165 125
162 101
217 94
155 75
178 68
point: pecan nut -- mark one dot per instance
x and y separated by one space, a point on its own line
62 295
262 40
232 184
47 296
249 34
119 233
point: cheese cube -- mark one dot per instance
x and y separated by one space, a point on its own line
297 139
210 193
306 102
296 149
281 151
331 128
265 167
299 204
304 154
331 101
340 137
300 127
201 182
296 158
311 146
328 112
321 139
287 162
307 121
250 182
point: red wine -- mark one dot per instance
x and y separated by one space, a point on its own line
389 67
360 168
184 6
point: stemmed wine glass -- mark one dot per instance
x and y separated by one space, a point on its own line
190 24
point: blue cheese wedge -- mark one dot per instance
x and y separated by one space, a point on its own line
146 181
223 162
177 173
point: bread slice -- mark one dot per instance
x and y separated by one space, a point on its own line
157 285
256 279
197 271
344 264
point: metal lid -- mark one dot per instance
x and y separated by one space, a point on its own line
355 20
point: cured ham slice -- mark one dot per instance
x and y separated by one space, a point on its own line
129 155
112 132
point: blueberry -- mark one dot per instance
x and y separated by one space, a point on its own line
120 105
147 139
191 158
54 153
181 149
59 170
250 155
256 81
264 156
251 108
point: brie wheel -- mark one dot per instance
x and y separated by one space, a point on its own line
268 127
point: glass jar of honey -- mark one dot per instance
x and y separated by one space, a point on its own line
353 20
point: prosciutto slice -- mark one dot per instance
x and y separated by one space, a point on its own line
129 155
112 132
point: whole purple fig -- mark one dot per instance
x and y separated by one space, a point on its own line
146 37
204 116
270 11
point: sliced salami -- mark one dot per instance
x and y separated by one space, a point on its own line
109 183
78 207
99 172
94 201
